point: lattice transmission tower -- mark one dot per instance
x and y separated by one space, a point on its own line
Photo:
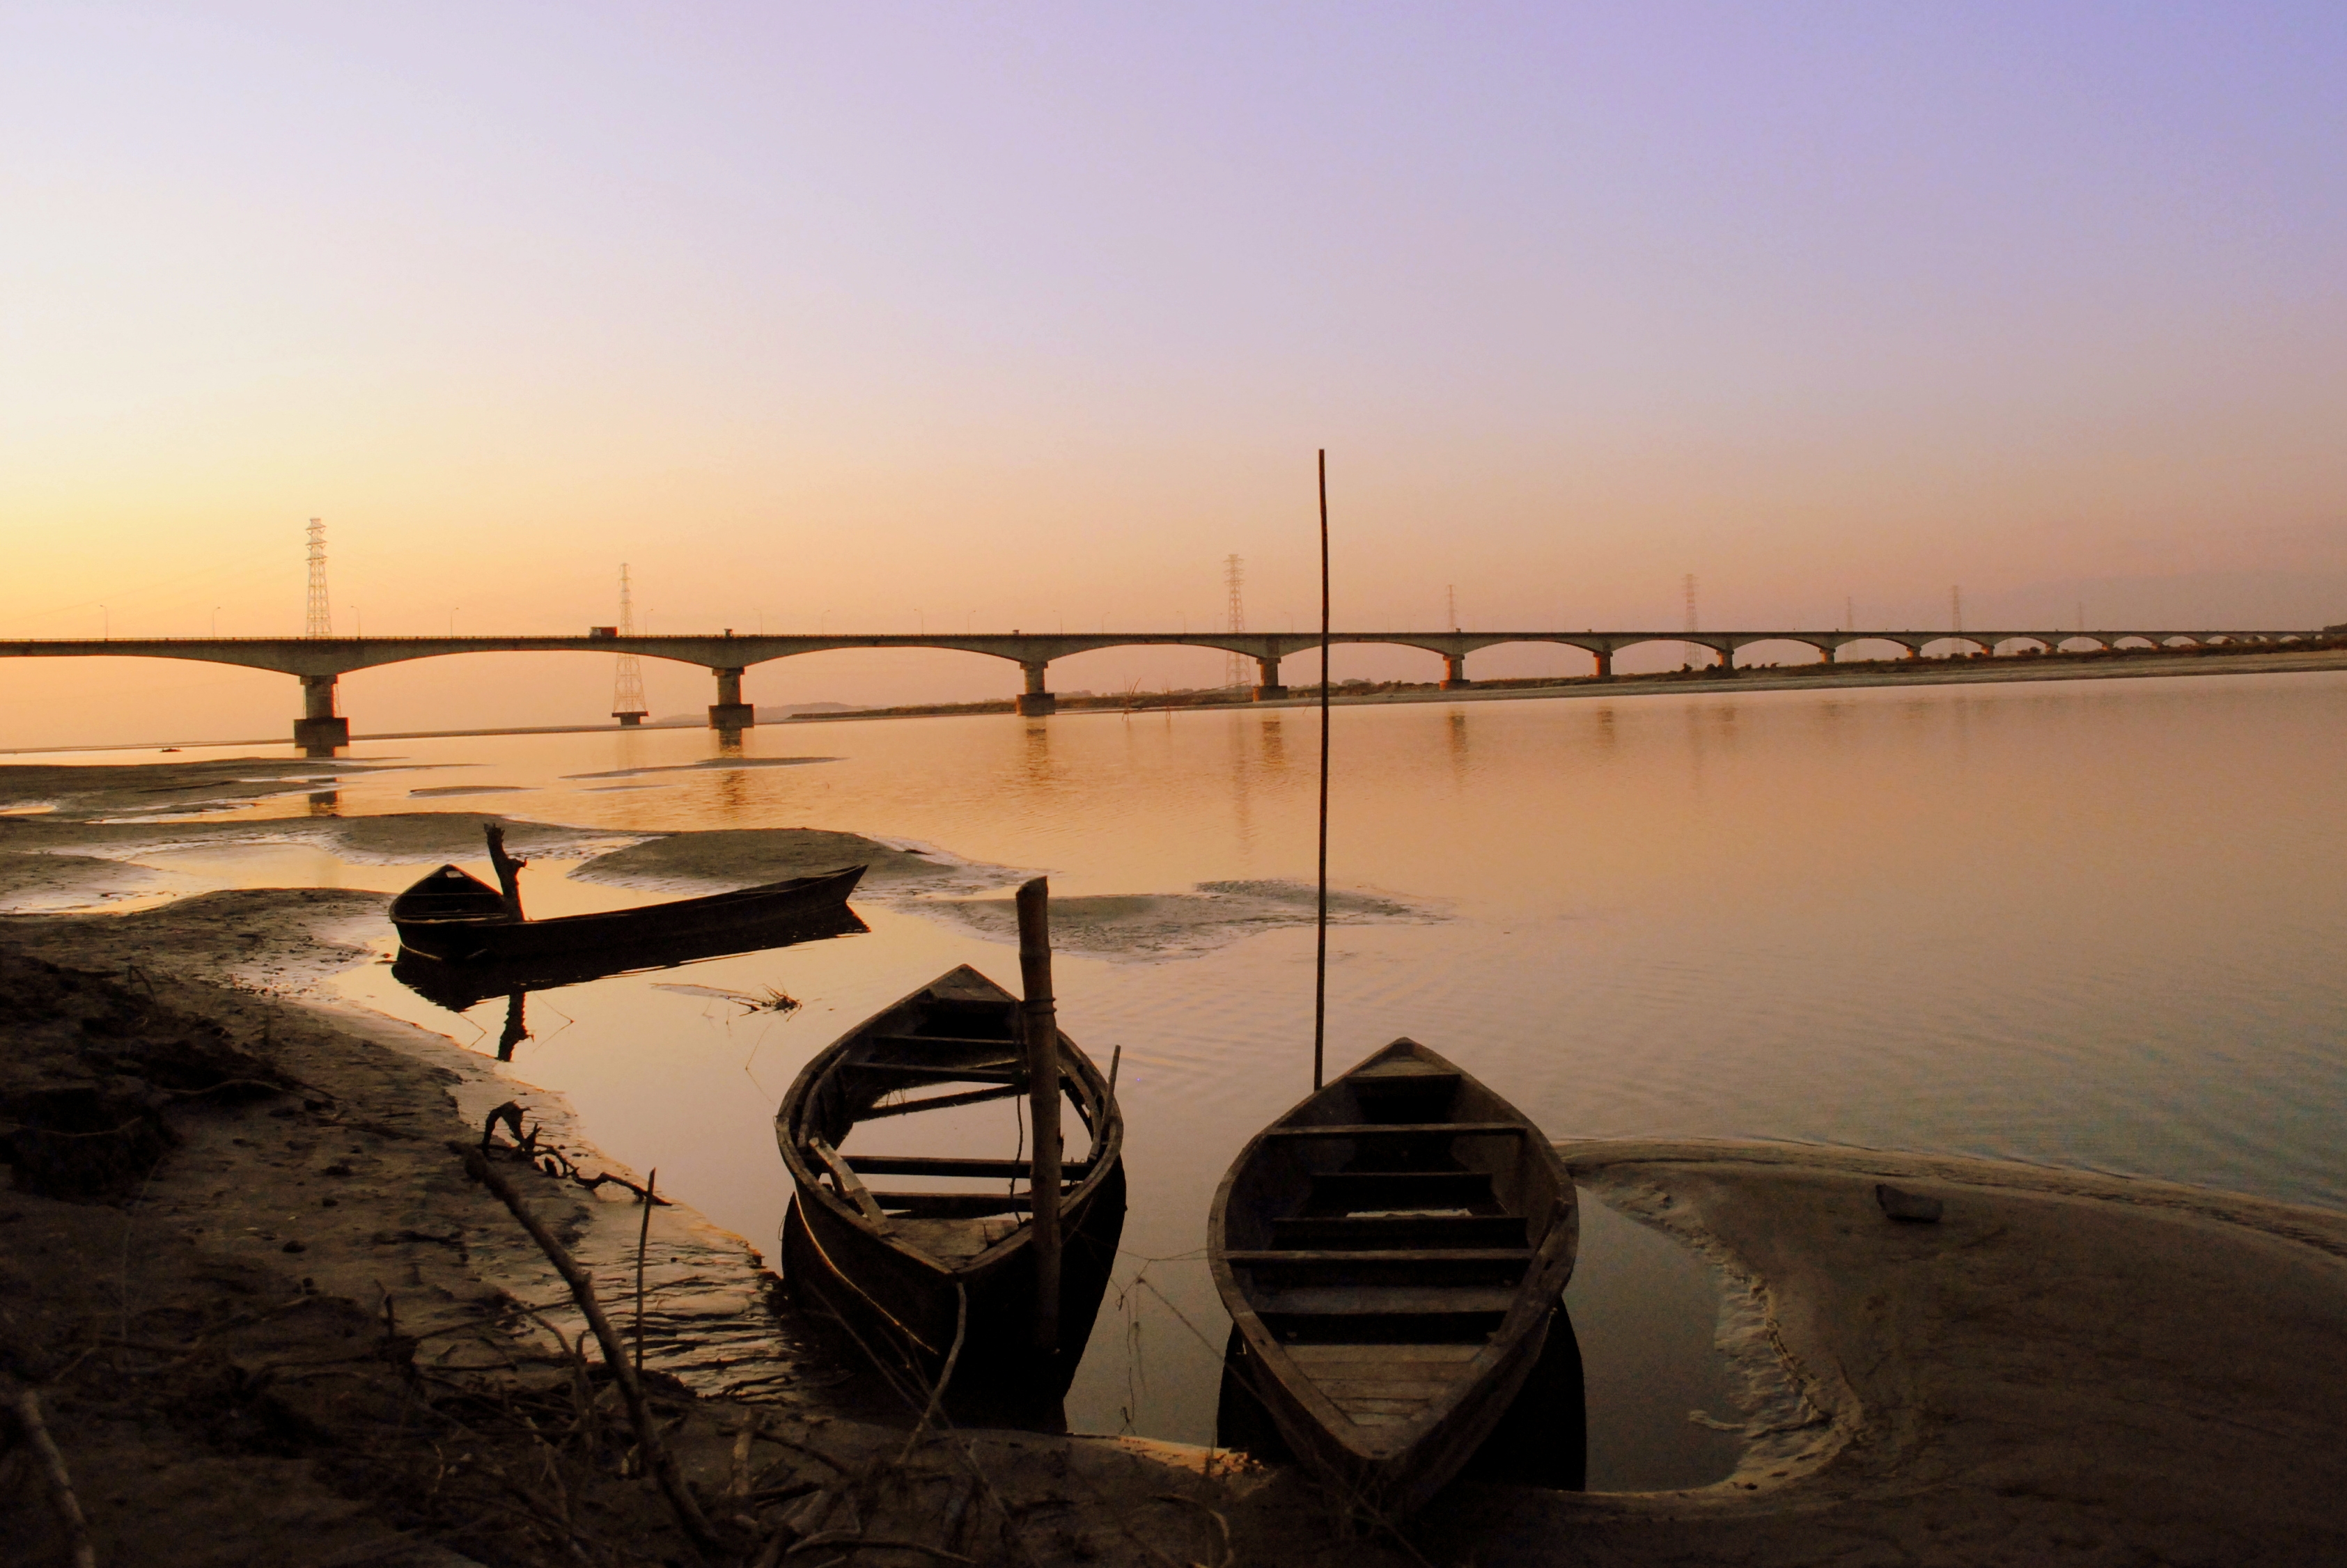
1689 586
628 685
1234 669
320 620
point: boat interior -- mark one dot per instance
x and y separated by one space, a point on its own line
1383 1231
451 893
949 1056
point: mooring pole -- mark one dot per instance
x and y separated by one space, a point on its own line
1042 1034
1320 922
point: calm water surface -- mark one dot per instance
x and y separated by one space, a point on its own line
2095 923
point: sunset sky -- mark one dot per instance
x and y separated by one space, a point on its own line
876 316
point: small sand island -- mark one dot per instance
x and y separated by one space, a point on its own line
258 1311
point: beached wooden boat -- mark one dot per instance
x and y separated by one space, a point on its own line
454 916
904 1269
1391 1251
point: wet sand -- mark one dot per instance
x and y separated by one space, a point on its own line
2068 1367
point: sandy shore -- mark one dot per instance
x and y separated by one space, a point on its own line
2069 1367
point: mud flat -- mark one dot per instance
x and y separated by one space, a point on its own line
2066 1367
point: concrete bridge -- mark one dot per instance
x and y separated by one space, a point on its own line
318 662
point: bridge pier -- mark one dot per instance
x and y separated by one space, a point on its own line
1605 664
318 731
1727 660
1454 671
1035 701
729 711
1268 688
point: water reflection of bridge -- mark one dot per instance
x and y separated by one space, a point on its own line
318 662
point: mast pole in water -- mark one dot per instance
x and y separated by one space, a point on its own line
1320 952
1040 1028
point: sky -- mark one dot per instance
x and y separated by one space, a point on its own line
888 317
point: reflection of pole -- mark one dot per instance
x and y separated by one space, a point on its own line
516 1027
1042 1036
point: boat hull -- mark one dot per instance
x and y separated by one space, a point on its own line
904 1313
1391 1252
459 986
1395 1486
903 1271
743 914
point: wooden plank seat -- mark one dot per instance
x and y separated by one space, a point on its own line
952 1206
909 1072
1403 1130
1380 1233
950 1165
1350 1192
936 1006
1402 1091
1269 1256
1467 1267
934 1042
1364 1300
947 1101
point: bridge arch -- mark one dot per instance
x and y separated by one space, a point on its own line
1823 647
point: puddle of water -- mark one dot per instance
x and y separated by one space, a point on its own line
1646 1311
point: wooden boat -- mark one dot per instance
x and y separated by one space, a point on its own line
903 1270
456 917
461 986
1391 1251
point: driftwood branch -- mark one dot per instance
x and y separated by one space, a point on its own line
658 1459
27 1405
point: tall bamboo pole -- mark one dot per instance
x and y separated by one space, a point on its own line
1320 952
1042 1037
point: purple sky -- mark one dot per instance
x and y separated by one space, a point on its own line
862 316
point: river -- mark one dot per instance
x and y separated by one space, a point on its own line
2092 924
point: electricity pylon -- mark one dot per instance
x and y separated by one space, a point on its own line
627 688
319 621
1234 669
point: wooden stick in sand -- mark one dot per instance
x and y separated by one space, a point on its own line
1042 1038
657 1458
27 1407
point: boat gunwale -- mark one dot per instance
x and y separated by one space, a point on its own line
1107 1134
1270 1353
